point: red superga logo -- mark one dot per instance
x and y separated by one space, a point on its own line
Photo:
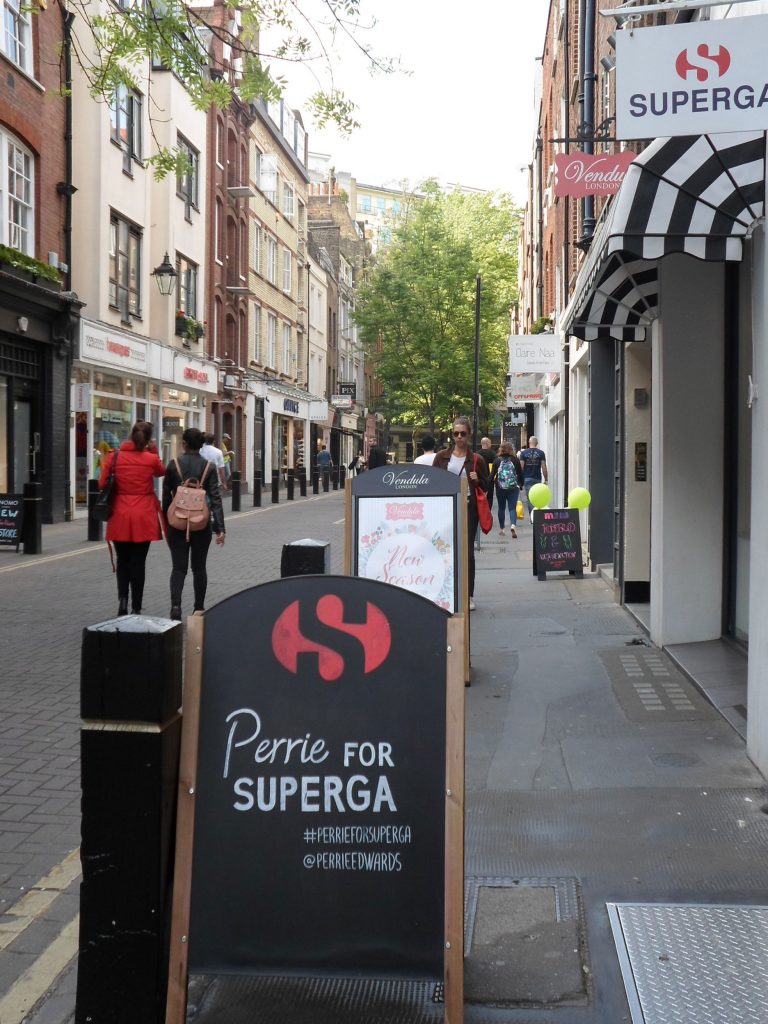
715 63
325 640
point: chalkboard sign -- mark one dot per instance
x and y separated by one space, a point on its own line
556 541
11 518
318 784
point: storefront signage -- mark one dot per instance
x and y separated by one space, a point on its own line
556 541
587 174
698 78
341 401
199 376
348 388
82 400
525 387
318 412
535 353
11 519
307 762
291 405
112 348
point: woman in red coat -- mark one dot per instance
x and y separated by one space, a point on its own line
135 519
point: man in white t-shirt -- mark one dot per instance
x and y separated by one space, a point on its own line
428 444
216 456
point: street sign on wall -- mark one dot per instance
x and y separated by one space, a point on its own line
590 174
535 353
699 78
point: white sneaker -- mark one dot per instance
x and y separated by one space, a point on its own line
471 604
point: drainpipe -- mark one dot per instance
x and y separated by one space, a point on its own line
566 384
540 229
67 18
588 105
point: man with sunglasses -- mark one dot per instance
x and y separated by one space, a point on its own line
461 459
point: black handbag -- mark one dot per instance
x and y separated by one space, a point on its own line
102 508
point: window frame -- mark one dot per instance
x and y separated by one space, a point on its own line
188 279
287 271
272 259
188 184
272 341
12 232
286 347
14 9
127 104
133 237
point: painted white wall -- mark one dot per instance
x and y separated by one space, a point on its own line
637 497
757 723
686 453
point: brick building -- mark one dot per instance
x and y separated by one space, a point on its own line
38 313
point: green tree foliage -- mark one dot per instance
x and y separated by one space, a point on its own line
416 309
114 44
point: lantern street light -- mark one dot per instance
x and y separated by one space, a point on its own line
165 275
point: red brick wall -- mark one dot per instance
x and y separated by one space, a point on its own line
37 118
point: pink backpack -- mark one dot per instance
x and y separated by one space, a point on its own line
189 510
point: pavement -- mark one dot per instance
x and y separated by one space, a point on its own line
597 776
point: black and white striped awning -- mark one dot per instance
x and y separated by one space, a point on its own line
698 195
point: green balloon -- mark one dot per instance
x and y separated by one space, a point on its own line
539 495
579 498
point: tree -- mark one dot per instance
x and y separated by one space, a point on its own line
115 43
416 309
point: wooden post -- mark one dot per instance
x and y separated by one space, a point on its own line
176 1005
348 528
130 694
454 824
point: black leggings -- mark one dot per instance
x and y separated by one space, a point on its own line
197 547
131 562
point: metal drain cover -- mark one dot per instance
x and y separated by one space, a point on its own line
693 964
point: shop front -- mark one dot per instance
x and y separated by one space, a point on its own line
290 414
120 378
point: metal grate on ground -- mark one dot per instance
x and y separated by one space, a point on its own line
693 964
565 893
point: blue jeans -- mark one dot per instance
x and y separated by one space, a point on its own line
527 485
507 499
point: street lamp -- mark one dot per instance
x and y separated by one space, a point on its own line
165 275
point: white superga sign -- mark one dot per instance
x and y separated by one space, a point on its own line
703 77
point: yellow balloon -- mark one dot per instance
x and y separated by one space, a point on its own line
539 495
579 498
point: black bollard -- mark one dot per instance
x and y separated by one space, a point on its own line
32 526
326 480
342 476
236 490
290 486
130 692
315 482
275 486
257 490
94 525
335 477
306 558
302 482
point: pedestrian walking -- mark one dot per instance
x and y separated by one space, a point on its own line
534 466
506 476
324 464
211 453
377 457
135 520
462 460
226 452
192 465
486 452
428 444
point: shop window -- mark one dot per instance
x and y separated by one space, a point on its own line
17 165
271 340
288 200
125 268
287 348
256 243
287 271
271 260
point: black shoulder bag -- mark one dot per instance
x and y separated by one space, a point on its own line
102 508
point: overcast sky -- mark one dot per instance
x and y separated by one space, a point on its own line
465 114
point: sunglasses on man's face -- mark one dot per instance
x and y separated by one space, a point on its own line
459 433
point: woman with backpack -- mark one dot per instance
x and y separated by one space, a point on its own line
135 519
507 477
185 544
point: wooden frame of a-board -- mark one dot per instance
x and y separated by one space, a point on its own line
462 543
453 919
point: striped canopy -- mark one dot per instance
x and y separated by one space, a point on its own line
698 195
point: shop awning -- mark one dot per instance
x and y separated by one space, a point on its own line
698 195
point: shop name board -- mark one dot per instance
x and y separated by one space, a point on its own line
525 387
291 405
190 373
585 174
692 79
104 347
341 401
348 388
535 353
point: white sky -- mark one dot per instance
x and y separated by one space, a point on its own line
466 113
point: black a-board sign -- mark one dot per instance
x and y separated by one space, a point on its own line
320 814
11 519
556 542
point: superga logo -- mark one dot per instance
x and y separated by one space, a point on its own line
704 63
